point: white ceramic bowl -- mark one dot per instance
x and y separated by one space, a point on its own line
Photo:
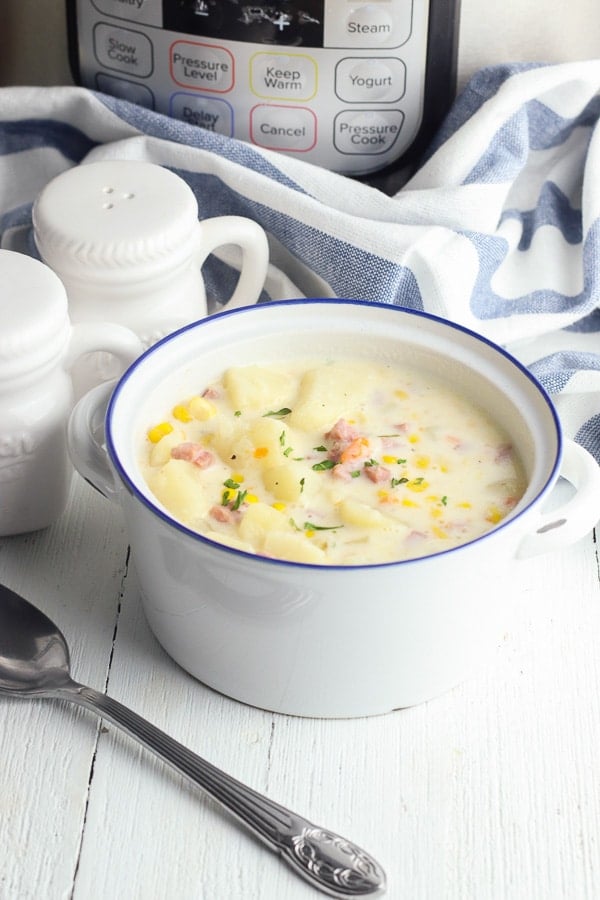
330 641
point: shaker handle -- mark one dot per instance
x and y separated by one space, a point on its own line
252 240
85 440
578 515
90 337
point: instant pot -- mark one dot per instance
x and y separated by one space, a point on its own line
355 87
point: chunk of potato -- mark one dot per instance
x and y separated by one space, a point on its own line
160 453
257 389
177 486
353 512
293 546
258 520
266 433
284 481
329 393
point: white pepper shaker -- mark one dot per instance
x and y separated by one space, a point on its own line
124 237
38 346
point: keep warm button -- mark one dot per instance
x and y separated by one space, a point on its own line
364 131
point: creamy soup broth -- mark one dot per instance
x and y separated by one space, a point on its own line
347 462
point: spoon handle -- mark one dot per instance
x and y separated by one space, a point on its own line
329 862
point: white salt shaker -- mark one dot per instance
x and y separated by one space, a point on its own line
125 239
38 346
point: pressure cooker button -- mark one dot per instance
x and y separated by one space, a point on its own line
207 112
290 128
147 12
367 132
124 50
127 90
369 25
204 67
283 76
360 80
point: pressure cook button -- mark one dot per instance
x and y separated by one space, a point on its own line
204 67
207 112
123 50
367 132
360 80
277 127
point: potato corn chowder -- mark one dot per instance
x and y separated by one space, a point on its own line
347 462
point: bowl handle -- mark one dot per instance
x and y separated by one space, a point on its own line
85 440
578 515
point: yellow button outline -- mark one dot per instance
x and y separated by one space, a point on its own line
285 97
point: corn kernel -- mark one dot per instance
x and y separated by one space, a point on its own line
202 409
237 477
278 506
159 431
260 452
413 439
251 498
436 513
181 413
465 505
401 395
228 494
387 458
410 503
422 462
417 485
309 533
439 532
493 514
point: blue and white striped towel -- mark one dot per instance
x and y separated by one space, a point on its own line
498 230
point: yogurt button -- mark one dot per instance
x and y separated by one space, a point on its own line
370 80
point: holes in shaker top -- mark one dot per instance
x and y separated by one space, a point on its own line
125 195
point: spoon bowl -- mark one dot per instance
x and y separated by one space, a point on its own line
34 655
34 661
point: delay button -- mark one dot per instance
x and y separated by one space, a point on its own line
367 132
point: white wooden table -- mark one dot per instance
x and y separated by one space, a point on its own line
490 791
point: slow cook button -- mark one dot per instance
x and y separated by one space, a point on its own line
201 66
359 80
123 50
290 76
367 131
277 127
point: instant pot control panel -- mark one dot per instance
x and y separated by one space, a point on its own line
346 85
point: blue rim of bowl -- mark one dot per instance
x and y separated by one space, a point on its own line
332 301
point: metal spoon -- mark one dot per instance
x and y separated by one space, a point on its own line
34 661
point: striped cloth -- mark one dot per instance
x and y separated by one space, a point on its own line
498 230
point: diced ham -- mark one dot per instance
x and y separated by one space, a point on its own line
377 474
503 453
342 432
194 453
224 514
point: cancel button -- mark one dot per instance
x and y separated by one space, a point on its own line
279 127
